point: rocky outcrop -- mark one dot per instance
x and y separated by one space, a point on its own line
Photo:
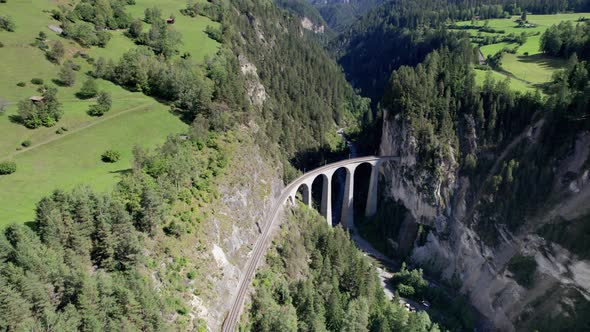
307 24
456 250
233 228
255 90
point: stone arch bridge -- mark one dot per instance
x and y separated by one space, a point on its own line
288 195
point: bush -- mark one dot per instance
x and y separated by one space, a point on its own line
37 81
21 84
523 269
67 76
7 167
26 143
110 156
103 105
88 89
6 23
1 45
405 290
56 52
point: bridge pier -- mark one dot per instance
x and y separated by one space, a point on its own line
307 200
347 215
371 207
326 205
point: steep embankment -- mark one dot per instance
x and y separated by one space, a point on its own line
492 177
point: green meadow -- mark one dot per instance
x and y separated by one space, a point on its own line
73 157
528 68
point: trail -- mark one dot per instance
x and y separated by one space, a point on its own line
76 130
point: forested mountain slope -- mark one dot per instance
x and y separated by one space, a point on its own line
164 248
492 188
315 279
304 96
403 32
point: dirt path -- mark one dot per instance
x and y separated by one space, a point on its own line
76 130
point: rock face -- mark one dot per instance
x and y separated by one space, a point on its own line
456 250
306 23
255 90
234 227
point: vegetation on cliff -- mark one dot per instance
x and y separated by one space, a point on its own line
317 280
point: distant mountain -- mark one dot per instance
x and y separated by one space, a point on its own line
339 14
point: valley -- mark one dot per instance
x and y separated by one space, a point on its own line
294 165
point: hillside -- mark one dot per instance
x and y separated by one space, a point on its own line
523 60
163 112
72 156
490 169
148 144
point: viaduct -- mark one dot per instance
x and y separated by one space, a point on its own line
288 195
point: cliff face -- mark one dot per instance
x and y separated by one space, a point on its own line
455 247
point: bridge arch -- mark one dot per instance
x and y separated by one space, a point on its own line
304 191
308 186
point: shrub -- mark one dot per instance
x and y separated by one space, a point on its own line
103 105
21 84
405 290
26 143
7 167
523 269
67 76
6 23
59 131
110 156
88 89
37 81
1 45
56 52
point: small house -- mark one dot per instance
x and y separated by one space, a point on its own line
56 29
36 99
170 20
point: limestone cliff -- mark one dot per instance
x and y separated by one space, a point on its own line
452 205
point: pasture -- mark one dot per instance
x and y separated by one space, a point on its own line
72 157
527 65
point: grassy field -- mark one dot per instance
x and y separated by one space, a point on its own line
195 41
528 67
72 158
480 76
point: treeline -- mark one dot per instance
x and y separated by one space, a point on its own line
81 265
565 39
88 23
77 270
439 102
215 91
403 32
317 280
435 97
